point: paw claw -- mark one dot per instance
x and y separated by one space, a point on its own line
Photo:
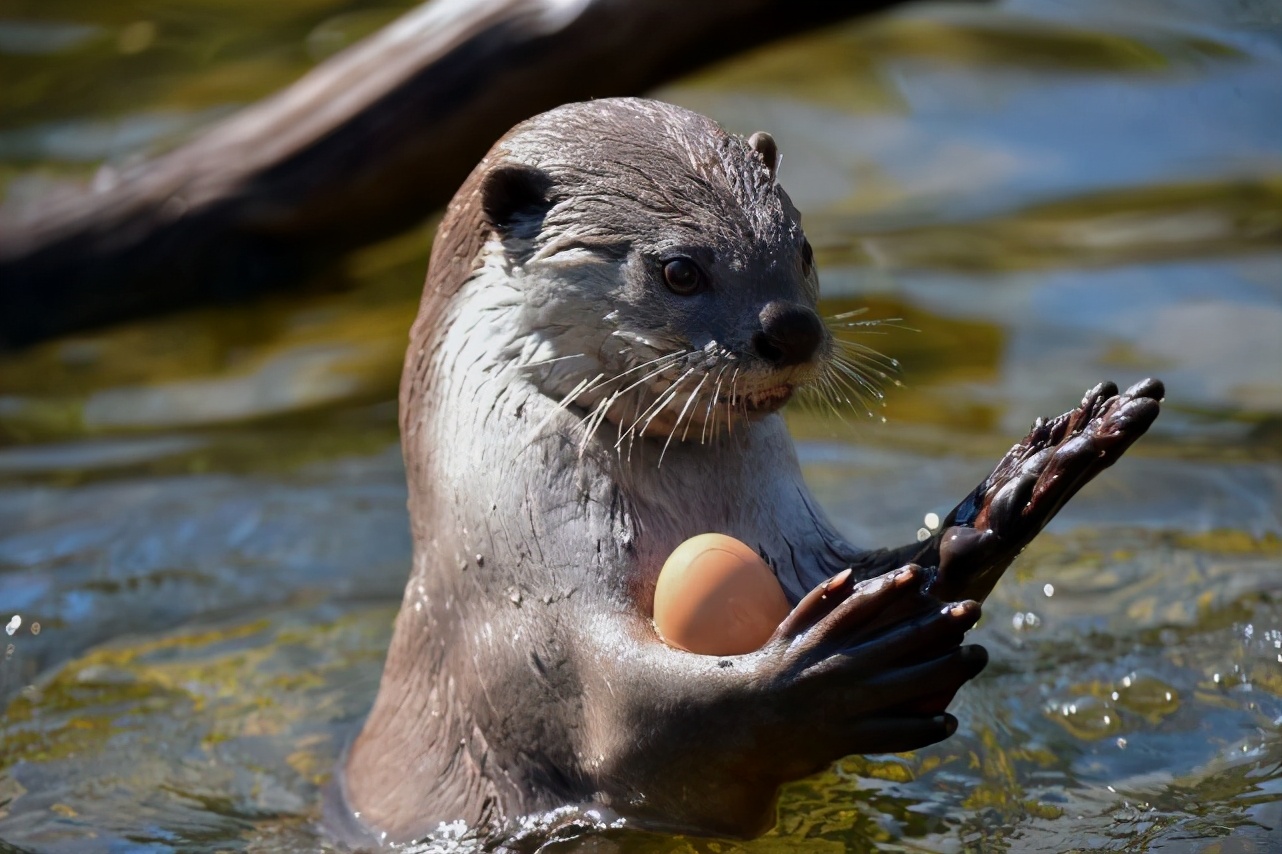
1150 388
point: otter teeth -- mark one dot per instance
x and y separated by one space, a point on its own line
769 398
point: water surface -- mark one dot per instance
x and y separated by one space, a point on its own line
202 525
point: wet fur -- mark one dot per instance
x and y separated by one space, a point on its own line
524 675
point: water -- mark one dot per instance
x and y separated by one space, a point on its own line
204 514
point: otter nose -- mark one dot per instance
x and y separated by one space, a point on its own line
790 334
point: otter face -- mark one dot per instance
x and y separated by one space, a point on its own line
666 288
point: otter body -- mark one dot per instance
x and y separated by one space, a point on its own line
620 299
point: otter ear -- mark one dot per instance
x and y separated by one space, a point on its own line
515 198
764 144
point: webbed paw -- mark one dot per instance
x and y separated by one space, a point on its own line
1033 481
869 667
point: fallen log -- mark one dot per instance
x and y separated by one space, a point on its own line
365 145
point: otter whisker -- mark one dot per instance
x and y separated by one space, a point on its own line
857 373
864 384
658 402
669 361
870 327
637 338
838 391
743 407
541 362
857 391
734 391
656 406
839 384
856 407
853 328
592 421
694 396
662 401
670 357
842 320
712 401
859 347
659 364
834 392
666 397
867 361
860 369
845 315
573 393
666 361
862 352
826 391
677 423
867 384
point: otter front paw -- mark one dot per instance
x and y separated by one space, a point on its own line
869 667
1033 481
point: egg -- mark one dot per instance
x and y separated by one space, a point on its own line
716 596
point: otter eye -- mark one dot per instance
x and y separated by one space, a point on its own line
807 257
682 276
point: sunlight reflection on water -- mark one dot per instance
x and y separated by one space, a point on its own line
205 513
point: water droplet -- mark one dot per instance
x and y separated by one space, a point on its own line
1048 590
15 623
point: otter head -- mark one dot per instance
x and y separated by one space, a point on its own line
665 283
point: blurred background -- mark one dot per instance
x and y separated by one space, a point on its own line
202 528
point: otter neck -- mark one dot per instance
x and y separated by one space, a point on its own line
519 535
650 494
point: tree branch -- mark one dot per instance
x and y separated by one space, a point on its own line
364 146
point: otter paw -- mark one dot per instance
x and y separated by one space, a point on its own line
869 667
1035 479
1060 456
844 633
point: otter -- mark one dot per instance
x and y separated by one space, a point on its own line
620 299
